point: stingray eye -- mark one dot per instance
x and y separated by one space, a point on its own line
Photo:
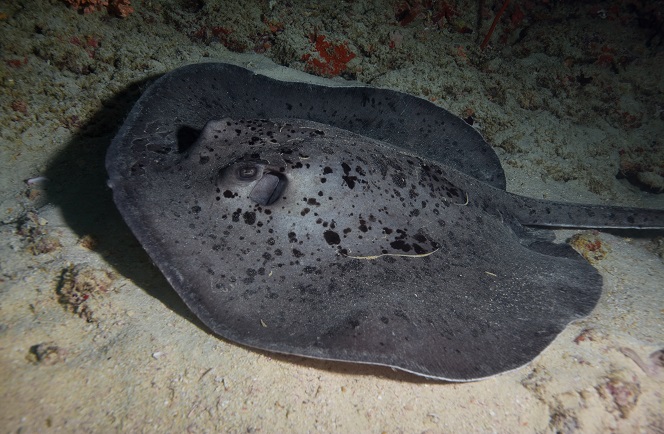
268 189
247 173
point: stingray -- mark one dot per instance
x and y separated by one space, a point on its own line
348 223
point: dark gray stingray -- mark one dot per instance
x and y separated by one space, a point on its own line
381 235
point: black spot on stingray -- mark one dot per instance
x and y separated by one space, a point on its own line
297 253
249 217
400 245
327 170
310 269
418 249
399 180
331 237
228 194
195 209
349 181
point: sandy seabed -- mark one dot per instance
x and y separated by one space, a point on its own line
92 337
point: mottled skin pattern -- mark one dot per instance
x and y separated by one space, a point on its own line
367 254
302 238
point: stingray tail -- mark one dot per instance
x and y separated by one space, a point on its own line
533 212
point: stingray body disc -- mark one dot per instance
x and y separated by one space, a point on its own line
300 238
